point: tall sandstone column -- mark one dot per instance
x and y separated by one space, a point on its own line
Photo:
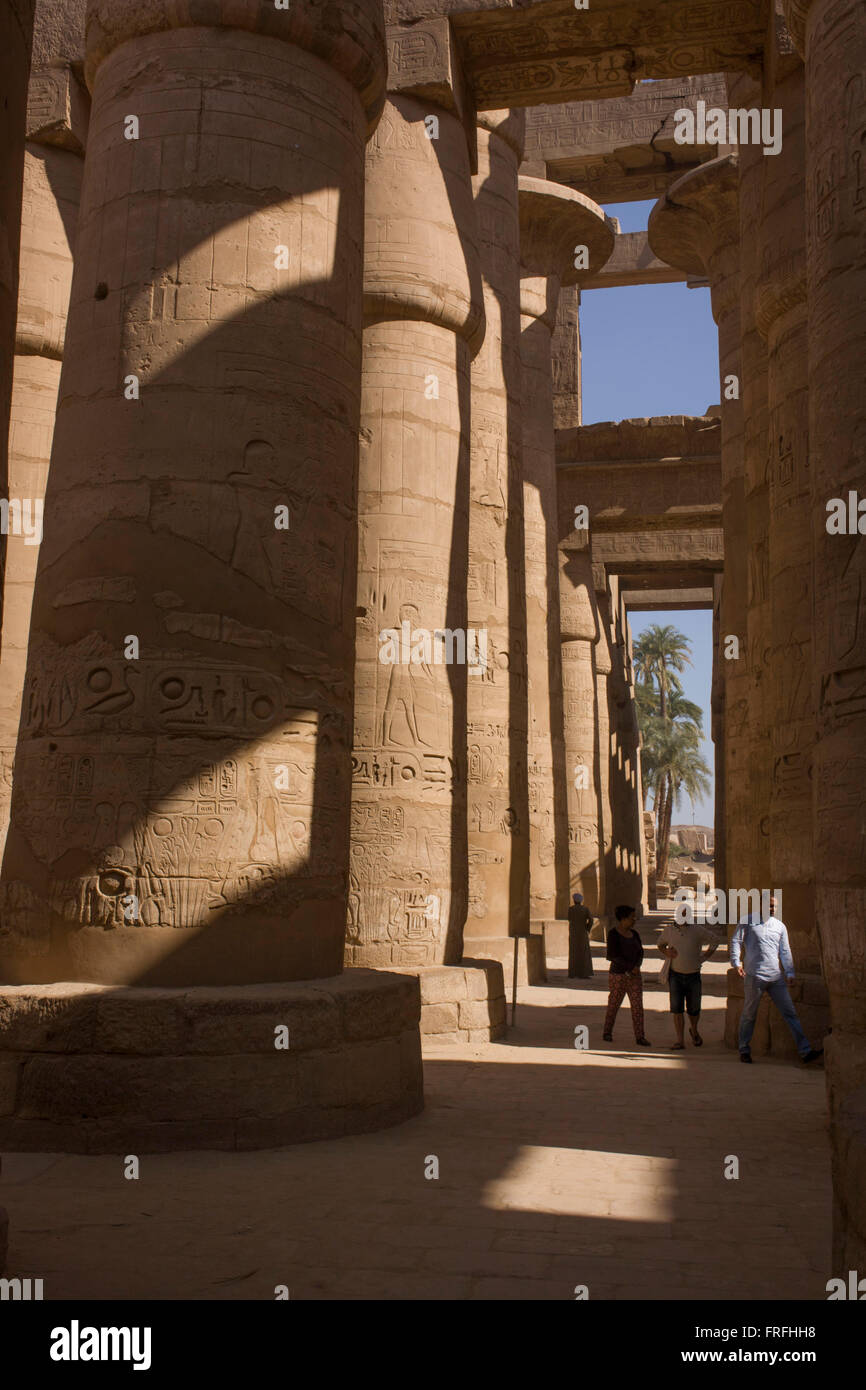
180 810
16 35
696 227
563 235
831 35
497 785
746 92
781 317
579 628
53 167
424 320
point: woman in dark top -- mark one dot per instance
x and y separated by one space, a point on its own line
625 953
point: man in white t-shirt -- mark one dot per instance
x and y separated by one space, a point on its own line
681 945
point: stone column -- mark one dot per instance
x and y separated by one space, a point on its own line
497 789
832 37
717 733
16 35
746 92
781 317
554 223
696 227
567 362
180 811
53 166
626 802
425 318
579 627
603 665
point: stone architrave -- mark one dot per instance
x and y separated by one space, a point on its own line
781 318
180 810
563 235
424 313
53 170
697 226
831 35
497 789
746 93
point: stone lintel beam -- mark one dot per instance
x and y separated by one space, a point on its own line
622 148
351 40
695 226
58 107
652 600
593 130
551 52
633 263
686 549
659 439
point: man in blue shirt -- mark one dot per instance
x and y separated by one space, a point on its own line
762 945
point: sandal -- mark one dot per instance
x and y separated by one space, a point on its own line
678 1047
697 1040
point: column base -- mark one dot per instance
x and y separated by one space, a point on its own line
117 1069
460 1003
846 1087
531 968
772 1037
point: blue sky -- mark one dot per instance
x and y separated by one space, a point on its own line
653 350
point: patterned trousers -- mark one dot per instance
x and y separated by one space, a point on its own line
620 985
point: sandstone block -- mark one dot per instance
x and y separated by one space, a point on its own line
485 980
478 1013
441 984
239 1022
374 1004
54 1018
373 1072
438 1018
139 1021
10 1068
159 1088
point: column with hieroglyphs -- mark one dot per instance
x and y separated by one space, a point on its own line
579 626
781 317
58 110
424 313
497 787
563 235
16 36
745 92
181 802
696 227
831 37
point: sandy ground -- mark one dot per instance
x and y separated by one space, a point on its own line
557 1167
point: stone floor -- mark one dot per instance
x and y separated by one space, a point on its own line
557 1168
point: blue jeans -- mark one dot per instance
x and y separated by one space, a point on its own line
778 992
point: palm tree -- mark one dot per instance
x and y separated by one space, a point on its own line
658 654
681 769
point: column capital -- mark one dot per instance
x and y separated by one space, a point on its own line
350 35
553 221
696 227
